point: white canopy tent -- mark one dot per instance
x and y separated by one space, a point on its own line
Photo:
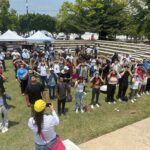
11 36
39 37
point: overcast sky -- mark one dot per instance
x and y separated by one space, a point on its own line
50 7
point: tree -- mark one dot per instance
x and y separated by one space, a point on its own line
36 22
4 15
103 16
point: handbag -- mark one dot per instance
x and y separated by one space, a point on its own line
58 146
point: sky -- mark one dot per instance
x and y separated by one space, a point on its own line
50 7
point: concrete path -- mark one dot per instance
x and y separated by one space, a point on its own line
132 137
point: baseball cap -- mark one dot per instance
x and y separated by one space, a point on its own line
39 105
66 68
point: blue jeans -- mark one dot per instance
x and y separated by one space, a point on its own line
79 100
51 92
46 147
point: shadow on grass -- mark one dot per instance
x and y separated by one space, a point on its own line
13 123
11 106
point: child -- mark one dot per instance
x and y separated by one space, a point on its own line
134 87
3 111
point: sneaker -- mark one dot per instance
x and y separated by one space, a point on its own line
138 95
5 129
132 101
135 99
82 111
97 105
147 93
109 103
92 106
120 100
85 93
77 111
114 102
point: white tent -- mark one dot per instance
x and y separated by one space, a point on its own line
39 37
88 36
10 36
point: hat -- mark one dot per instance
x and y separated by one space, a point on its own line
66 68
62 71
51 69
39 105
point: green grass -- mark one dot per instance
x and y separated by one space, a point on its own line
77 127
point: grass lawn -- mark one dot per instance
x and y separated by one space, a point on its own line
77 127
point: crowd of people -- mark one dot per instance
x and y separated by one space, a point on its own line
39 70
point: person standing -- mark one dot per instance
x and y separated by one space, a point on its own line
52 83
79 85
33 92
22 73
43 126
62 91
97 81
3 111
123 83
43 73
2 58
113 77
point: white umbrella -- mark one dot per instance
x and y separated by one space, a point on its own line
10 36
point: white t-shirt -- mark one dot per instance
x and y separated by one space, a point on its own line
49 121
56 68
80 87
14 54
26 55
69 57
93 62
135 83
2 56
43 70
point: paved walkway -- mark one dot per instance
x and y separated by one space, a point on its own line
132 137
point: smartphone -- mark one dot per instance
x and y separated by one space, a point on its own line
48 104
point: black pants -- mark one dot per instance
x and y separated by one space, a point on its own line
148 85
111 92
23 85
61 106
95 92
122 90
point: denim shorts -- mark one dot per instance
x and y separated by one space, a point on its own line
46 146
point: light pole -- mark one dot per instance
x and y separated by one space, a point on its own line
27 8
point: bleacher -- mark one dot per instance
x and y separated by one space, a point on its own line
137 51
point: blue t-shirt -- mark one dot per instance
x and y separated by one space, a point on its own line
21 72
145 64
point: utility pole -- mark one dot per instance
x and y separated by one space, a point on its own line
27 8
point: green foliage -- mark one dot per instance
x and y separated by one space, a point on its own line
147 25
4 14
36 22
105 17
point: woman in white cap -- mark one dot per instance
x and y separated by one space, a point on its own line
43 126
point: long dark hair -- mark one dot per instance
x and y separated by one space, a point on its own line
38 117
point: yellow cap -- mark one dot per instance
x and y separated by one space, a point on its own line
39 105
